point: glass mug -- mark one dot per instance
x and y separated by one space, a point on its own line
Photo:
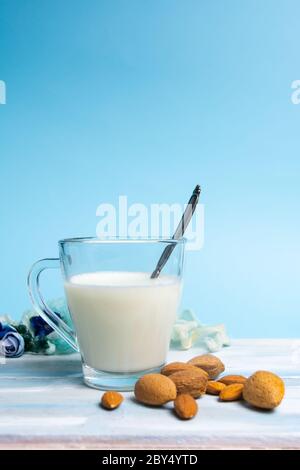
122 318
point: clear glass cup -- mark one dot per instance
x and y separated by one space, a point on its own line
122 318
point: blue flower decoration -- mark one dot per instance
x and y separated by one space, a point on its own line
42 338
39 327
11 342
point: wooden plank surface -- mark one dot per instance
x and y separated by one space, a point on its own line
44 404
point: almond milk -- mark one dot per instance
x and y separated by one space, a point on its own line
123 320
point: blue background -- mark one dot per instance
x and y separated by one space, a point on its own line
148 98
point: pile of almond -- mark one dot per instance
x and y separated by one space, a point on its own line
183 383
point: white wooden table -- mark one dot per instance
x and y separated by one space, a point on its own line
44 404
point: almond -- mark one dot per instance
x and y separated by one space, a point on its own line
214 388
232 392
210 363
232 379
192 382
264 390
111 400
178 367
185 406
155 389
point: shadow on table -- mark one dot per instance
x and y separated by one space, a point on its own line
35 366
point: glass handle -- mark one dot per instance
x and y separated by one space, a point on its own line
39 304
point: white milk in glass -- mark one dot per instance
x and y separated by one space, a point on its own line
123 320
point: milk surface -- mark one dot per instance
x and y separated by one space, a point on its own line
123 320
